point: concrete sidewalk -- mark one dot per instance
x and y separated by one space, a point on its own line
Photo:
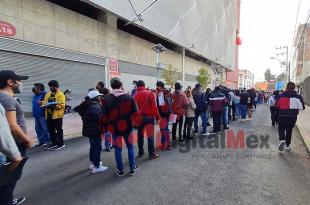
72 126
303 126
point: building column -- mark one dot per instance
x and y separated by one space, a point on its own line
183 67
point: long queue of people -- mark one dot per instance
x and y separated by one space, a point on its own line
112 116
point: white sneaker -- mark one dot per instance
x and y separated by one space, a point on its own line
91 166
99 169
287 147
205 134
281 145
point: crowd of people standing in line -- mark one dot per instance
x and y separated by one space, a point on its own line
111 116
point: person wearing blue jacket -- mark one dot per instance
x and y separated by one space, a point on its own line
38 114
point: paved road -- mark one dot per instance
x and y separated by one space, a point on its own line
200 176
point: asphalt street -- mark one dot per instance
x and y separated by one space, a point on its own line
199 175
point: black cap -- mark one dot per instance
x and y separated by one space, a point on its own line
11 75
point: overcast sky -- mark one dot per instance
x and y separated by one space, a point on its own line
266 24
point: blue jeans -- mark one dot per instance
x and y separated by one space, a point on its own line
95 150
243 111
238 110
225 116
118 151
164 131
107 139
2 159
41 130
204 120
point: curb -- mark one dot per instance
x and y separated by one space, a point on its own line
304 136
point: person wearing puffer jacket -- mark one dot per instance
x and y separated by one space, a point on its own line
91 113
189 115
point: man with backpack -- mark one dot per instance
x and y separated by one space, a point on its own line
148 113
201 108
164 104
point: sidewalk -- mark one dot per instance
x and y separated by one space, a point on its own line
72 126
304 126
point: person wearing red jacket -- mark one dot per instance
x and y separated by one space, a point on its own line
178 107
148 113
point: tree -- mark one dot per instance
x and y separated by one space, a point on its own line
268 75
171 76
281 77
204 78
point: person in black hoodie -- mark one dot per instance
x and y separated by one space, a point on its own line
91 112
288 104
201 108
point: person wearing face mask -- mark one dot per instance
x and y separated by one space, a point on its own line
54 102
10 84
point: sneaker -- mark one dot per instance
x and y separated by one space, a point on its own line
281 145
134 171
119 173
169 147
205 134
243 120
58 147
18 201
155 156
45 145
140 154
181 141
99 169
226 127
91 166
287 147
50 146
107 149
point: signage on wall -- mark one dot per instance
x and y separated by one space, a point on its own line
7 29
113 67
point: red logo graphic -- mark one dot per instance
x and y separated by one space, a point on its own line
7 29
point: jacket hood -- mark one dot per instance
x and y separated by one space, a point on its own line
118 92
140 88
178 92
81 109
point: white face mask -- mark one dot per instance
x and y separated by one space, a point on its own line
19 88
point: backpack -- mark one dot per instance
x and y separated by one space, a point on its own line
168 102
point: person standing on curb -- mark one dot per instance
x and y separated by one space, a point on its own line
288 105
55 102
39 116
120 117
148 113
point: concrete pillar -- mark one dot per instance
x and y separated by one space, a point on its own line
183 67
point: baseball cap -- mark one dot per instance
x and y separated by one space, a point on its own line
12 75
93 94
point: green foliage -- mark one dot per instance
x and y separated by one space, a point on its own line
281 77
204 78
268 76
171 76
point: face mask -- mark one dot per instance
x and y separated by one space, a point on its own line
19 88
54 90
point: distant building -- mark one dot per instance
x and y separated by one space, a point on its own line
245 79
301 57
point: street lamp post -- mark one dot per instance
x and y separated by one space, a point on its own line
158 48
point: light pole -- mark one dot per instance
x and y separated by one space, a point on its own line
158 48
287 63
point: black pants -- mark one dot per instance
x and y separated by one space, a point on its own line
233 108
188 126
217 118
274 117
55 129
147 127
285 129
175 126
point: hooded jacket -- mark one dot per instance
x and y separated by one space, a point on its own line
146 101
179 103
37 110
91 114
289 103
166 109
119 113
